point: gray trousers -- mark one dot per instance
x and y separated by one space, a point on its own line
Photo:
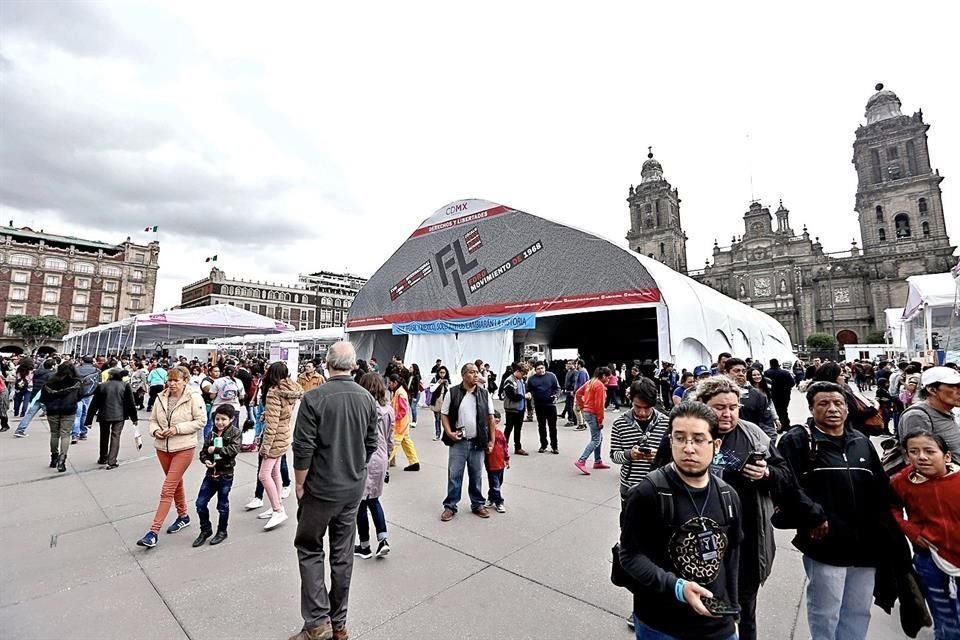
314 518
60 428
110 440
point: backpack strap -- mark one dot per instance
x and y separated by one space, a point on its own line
729 509
665 494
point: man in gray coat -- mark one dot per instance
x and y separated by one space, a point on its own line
335 436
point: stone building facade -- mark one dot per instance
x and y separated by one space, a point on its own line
334 293
789 275
82 282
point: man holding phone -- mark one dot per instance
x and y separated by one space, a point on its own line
755 469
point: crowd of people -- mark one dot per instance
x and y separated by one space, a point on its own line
709 465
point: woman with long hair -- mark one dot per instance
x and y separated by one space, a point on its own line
280 394
438 389
413 391
178 414
929 492
60 396
376 473
758 382
226 389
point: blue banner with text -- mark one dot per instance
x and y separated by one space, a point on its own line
473 325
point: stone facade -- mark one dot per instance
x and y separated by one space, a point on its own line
82 282
334 293
655 227
789 275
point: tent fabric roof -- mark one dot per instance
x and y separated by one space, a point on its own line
185 324
474 258
934 290
307 335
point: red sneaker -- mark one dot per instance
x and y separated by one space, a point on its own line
600 465
580 464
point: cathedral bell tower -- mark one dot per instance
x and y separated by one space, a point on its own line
898 192
655 228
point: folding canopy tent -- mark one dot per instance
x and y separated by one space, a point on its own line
931 312
478 280
313 337
149 329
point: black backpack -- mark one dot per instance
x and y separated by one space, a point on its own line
665 511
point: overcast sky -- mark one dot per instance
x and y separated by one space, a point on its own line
291 138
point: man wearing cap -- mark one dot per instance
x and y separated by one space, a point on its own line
940 395
700 372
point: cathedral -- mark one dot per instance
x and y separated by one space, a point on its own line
788 275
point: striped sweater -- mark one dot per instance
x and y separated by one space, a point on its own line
626 433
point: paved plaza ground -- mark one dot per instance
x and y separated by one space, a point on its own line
71 567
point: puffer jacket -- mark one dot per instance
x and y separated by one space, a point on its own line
60 397
189 416
277 430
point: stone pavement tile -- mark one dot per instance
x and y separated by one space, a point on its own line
124 606
260 570
60 503
779 598
58 560
575 559
497 604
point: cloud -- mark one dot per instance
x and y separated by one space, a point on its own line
73 27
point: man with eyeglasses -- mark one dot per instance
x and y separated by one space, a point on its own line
754 406
680 539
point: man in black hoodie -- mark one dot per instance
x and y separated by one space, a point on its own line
842 509
113 403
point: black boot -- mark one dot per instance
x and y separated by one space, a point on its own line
53 460
62 463
220 537
202 537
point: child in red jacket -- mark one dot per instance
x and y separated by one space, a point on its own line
497 460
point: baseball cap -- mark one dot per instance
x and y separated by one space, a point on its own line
700 369
943 375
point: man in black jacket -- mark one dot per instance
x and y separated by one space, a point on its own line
781 384
843 505
754 405
113 404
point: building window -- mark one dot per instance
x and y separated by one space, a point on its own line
136 274
883 235
77 327
922 206
136 289
79 315
83 267
82 283
138 258
55 264
106 316
52 280
16 310
336 317
134 303
663 249
79 297
109 301
21 277
892 153
51 296
903 225
926 229
326 315
109 285
110 271
876 171
22 260
879 213
911 158
18 293
48 311
346 304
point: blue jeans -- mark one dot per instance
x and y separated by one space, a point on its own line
838 600
379 520
79 426
21 399
32 410
495 481
437 426
643 632
414 400
596 438
944 610
221 487
460 454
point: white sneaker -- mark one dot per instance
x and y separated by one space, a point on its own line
265 515
255 503
276 519
500 508
285 492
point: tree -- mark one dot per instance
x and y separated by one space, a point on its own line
876 337
35 330
823 341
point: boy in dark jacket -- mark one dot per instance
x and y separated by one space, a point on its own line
218 454
113 404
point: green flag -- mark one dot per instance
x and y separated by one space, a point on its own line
152 229
211 259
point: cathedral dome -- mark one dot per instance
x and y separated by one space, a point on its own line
882 105
651 170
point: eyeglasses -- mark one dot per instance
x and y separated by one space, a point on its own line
680 440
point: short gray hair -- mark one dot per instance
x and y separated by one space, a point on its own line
341 356
714 386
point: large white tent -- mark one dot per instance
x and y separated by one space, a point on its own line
145 331
930 315
479 280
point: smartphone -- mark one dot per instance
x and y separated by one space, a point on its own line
755 457
720 608
647 450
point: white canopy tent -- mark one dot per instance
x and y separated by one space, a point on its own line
931 315
149 329
894 330
478 280
329 334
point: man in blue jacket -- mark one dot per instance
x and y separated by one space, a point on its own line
544 387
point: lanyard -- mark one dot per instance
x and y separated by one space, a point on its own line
701 509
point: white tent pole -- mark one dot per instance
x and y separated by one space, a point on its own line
96 349
119 341
133 343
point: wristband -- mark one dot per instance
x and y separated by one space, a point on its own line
678 590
